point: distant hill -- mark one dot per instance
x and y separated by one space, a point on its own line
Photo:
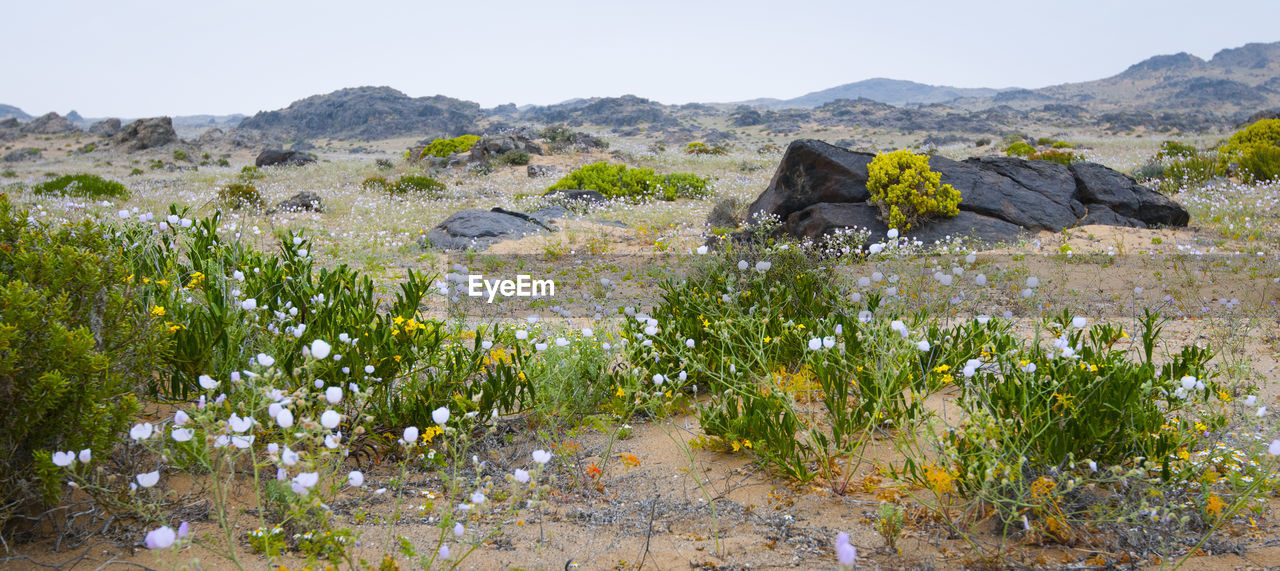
367 113
625 111
7 111
891 91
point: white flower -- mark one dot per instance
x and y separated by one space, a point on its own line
239 424
86 455
522 334
355 478
330 419
763 266
587 332
983 319
1250 400
876 248
284 418
332 441
540 346
1029 368
161 538
411 434
690 343
521 476
815 344
64 459
444 551
242 442
702 250
828 342
182 434
148 479
1033 281
1079 322
333 395
1274 449
458 530
368 369
561 342
1093 465
980 279
864 316
320 349
180 418
743 265
893 233
923 345
1188 383
1262 411
141 431
307 479
207 382
249 304
440 415
477 497
288 457
541 456
266 360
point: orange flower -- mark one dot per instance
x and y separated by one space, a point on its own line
594 471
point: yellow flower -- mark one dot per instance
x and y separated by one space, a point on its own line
736 445
1183 454
1223 396
746 443
430 433
939 479
1214 505
942 368
157 311
620 392
768 339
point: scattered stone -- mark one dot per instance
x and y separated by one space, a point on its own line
105 128
479 229
279 157
1119 192
146 134
539 171
567 195
50 124
489 148
27 154
211 136
303 201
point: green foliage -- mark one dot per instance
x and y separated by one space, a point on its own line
86 185
1260 164
982 142
445 147
1174 149
416 184
1189 171
240 195
1045 141
375 183
513 158
1019 149
136 171
561 140
907 191
9 173
703 149
1251 146
619 181
384 164
179 155
1062 145
223 163
1056 156
76 335
250 172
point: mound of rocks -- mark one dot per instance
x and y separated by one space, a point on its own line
819 188
50 124
145 134
280 157
105 128
479 229
493 147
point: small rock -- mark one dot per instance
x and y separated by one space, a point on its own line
538 171
568 195
478 229
278 157
303 201
105 128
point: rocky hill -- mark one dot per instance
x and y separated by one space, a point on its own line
891 91
7 111
366 113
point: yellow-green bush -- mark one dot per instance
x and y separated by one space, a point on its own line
86 185
618 181
907 191
703 149
445 147
1019 149
1253 150
240 195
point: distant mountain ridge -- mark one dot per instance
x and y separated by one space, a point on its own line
894 92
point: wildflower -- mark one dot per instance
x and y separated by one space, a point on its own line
689 343
157 311
521 476
306 480
541 456
86 455
477 497
864 316
355 479
815 344
333 395
63 459
763 266
657 379
141 431
207 383
875 248
148 479
288 457
1033 282
239 424
444 551
266 360
320 349
846 554
900 327
440 415
893 233
742 265
923 345
1274 449
1028 367
1188 383
180 418
1213 506
249 304
161 538
183 530
1250 400
1262 411
702 250
1093 466
1079 322
242 442
411 434
182 434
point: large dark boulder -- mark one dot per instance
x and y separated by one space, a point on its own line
812 172
820 220
819 188
146 134
279 157
478 229
105 128
50 124
1097 184
492 147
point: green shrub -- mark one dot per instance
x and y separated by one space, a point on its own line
375 183
1045 141
179 155
907 191
1019 149
250 172
1056 156
1062 145
1174 149
240 195
445 147
76 335
703 149
223 163
513 158
1260 164
1261 134
136 171
416 184
1189 172
9 173
155 165
384 164
86 185
982 142
618 181
561 139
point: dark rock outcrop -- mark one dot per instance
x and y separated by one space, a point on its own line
496 146
478 229
105 128
302 201
366 113
50 124
819 188
146 134
279 157
211 136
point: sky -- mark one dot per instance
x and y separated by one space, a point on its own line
136 59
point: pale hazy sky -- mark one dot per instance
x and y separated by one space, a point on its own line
134 58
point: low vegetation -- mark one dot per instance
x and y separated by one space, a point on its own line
620 181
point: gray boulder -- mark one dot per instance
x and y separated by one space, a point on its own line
492 147
479 229
279 157
812 172
303 201
1097 184
566 195
539 171
146 134
211 136
987 192
50 124
105 128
